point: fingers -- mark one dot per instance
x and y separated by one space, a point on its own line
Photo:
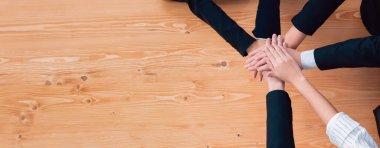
261 76
274 39
268 42
280 41
269 51
284 47
272 53
254 73
255 58
270 56
258 74
261 61
257 64
270 65
254 63
265 67
285 51
277 46
253 53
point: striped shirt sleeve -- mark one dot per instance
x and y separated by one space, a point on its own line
347 133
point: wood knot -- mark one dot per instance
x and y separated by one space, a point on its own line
33 107
47 83
184 97
18 137
91 100
25 118
84 78
221 64
238 135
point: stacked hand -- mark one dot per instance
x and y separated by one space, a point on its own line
276 60
258 45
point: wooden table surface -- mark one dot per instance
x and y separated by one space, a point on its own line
147 73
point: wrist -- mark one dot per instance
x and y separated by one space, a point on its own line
298 81
297 58
275 85
296 55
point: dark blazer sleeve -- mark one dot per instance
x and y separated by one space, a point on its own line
279 120
314 14
361 52
213 15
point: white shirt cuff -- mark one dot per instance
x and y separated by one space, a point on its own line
261 39
308 60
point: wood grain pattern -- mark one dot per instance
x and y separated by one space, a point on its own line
147 73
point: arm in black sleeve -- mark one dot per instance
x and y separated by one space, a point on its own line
279 120
314 14
361 52
267 19
213 15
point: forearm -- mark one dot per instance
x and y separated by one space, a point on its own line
279 120
309 19
360 52
314 14
320 104
294 38
227 28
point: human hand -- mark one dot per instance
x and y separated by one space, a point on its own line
257 59
281 64
258 54
256 47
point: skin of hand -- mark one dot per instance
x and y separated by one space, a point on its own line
256 46
258 58
273 83
284 67
280 63
294 37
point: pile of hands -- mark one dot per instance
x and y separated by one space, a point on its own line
275 63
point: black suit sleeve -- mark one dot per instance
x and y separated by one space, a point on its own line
279 120
361 52
314 14
213 15
267 19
